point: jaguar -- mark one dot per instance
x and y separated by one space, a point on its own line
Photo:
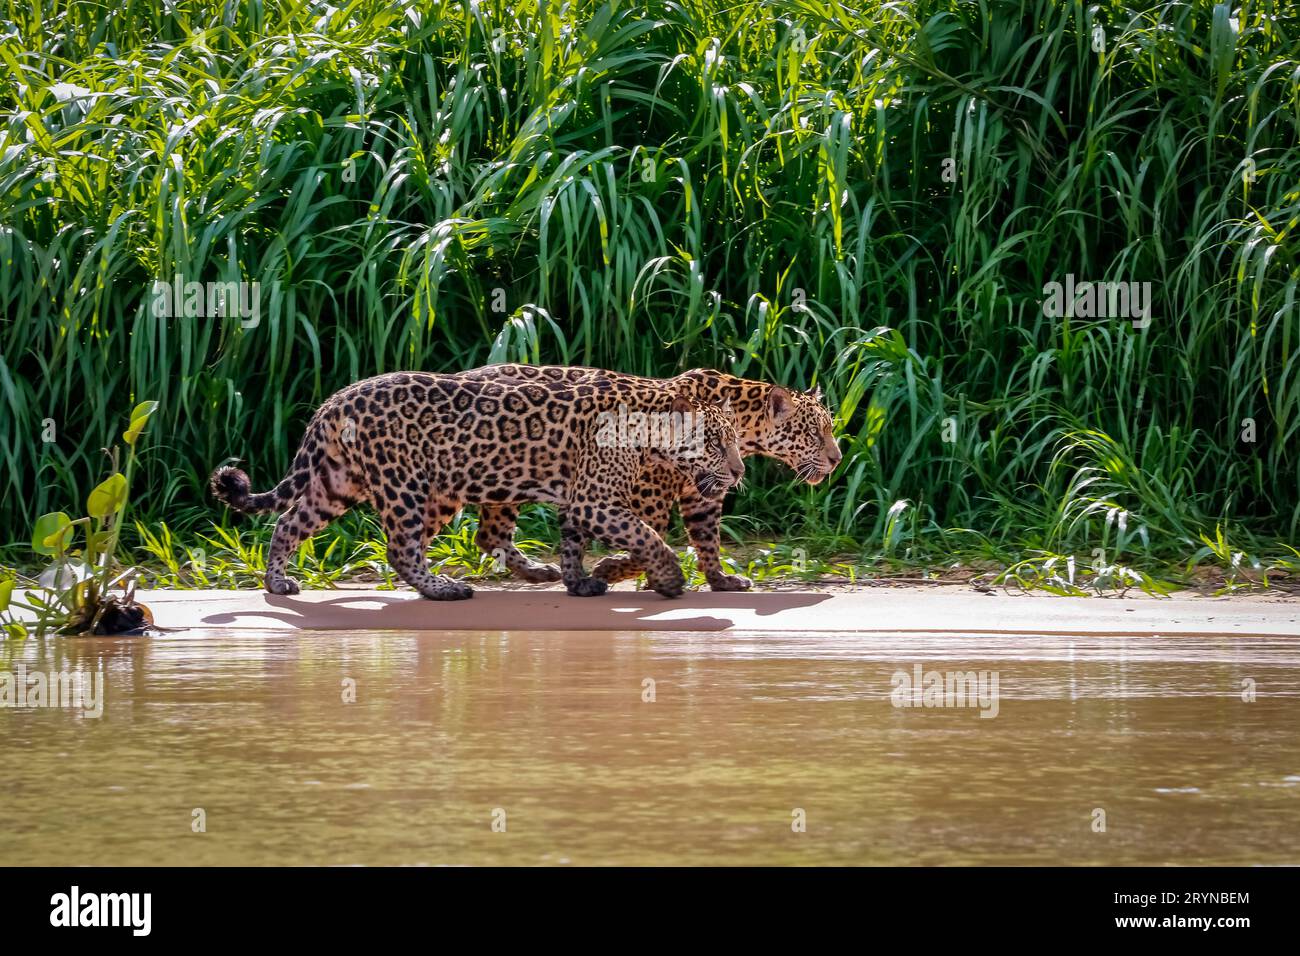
419 446
792 426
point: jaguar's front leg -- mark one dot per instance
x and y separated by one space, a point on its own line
573 544
702 517
496 537
620 528
657 488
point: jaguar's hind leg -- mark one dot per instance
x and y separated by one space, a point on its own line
309 514
496 537
410 524
573 544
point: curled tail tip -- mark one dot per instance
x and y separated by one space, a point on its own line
230 486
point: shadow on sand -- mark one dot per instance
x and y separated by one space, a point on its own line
514 611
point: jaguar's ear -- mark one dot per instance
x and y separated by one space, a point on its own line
681 404
817 394
726 410
779 403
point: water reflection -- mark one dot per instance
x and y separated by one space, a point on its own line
655 748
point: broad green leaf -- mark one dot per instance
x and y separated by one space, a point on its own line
139 418
6 592
108 498
52 533
15 631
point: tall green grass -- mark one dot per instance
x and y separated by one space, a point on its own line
650 186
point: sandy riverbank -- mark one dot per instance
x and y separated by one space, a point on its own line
865 609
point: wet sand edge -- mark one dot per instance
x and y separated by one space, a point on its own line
863 610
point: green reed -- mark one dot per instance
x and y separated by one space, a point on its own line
870 197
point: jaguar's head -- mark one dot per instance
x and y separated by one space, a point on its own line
709 449
798 430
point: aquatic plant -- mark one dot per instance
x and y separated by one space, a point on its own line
74 594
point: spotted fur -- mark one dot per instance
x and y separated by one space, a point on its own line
791 426
419 446
712 465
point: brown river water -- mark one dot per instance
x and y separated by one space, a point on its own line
654 748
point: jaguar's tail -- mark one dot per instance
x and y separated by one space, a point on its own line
230 485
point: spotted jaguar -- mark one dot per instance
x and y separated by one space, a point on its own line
791 426
419 446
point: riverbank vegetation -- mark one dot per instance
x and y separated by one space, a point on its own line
874 198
